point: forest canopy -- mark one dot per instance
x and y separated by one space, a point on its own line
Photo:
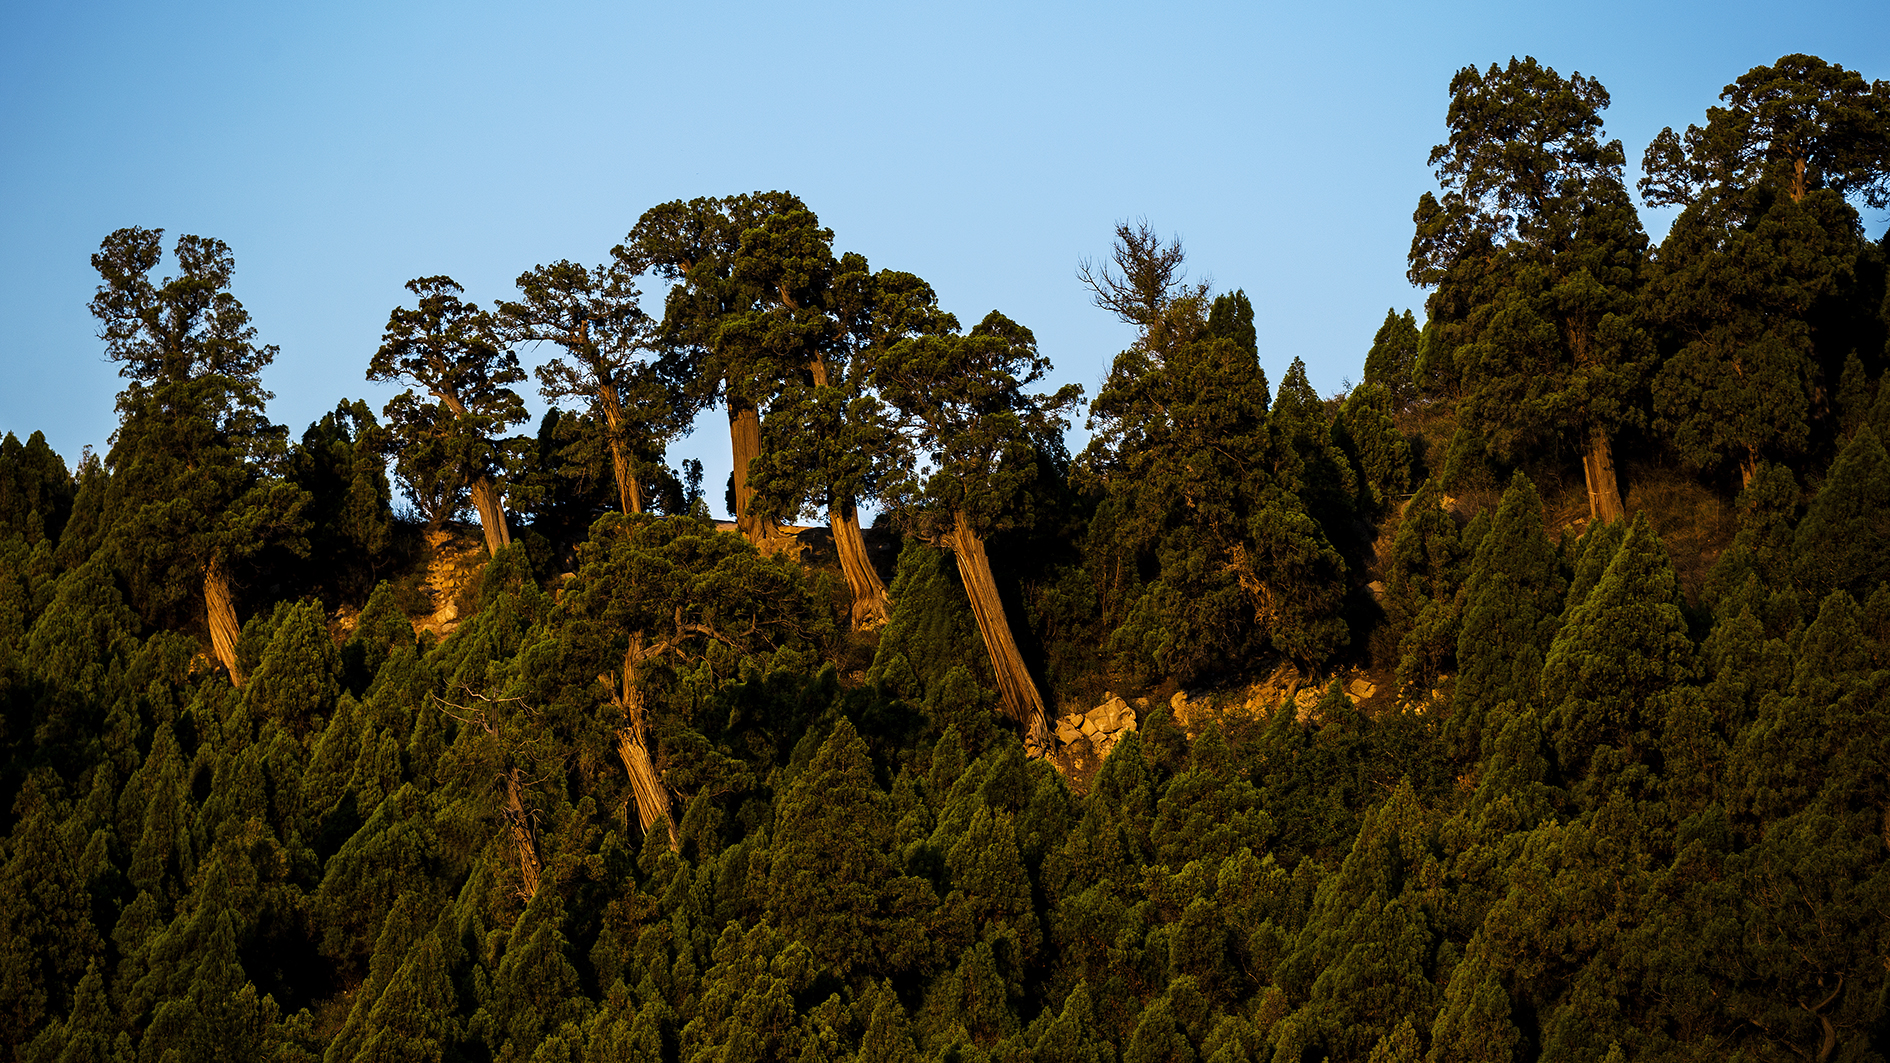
1527 700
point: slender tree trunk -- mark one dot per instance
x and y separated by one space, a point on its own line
1604 495
629 490
870 609
519 824
485 496
220 612
1748 468
633 748
1016 691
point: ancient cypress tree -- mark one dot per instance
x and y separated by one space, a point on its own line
596 318
962 404
452 353
1392 361
1765 236
1535 252
191 494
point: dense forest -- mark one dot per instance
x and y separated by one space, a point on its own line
1529 700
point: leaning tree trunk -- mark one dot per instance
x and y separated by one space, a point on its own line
629 491
485 496
1016 691
1604 495
518 823
869 592
220 611
633 748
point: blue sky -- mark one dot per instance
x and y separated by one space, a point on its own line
341 149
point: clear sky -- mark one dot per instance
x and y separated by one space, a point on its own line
343 148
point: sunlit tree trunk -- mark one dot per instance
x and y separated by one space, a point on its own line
633 748
1016 691
629 489
870 608
220 612
485 496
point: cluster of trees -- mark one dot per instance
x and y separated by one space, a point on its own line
668 794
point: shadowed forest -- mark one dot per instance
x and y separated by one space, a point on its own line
1527 700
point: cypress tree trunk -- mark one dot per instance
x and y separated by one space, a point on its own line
652 797
1016 691
744 440
485 496
220 612
518 823
869 593
629 491
1604 495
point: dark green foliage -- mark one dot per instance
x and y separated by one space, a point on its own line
1391 364
1843 543
1626 825
1512 602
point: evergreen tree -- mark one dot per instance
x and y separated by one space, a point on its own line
1535 251
595 317
451 440
1512 601
832 880
961 401
190 494
1392 362
1844 540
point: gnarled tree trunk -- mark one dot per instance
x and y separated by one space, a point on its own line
518 823
870 609
1016 690
485 496
629 490
1604 495
653 798
220 612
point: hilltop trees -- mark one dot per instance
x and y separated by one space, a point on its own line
1765 241
191 493
763 314
453 353
964 410
594 316
1202 505
1535 252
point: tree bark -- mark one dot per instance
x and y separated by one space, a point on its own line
744 436
629 490
1016 690
485 496
870 609
518 823
633 748
220 612
1604 495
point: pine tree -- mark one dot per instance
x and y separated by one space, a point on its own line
1392 362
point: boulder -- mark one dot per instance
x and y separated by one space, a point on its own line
1069 729
1361 689
1112 715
